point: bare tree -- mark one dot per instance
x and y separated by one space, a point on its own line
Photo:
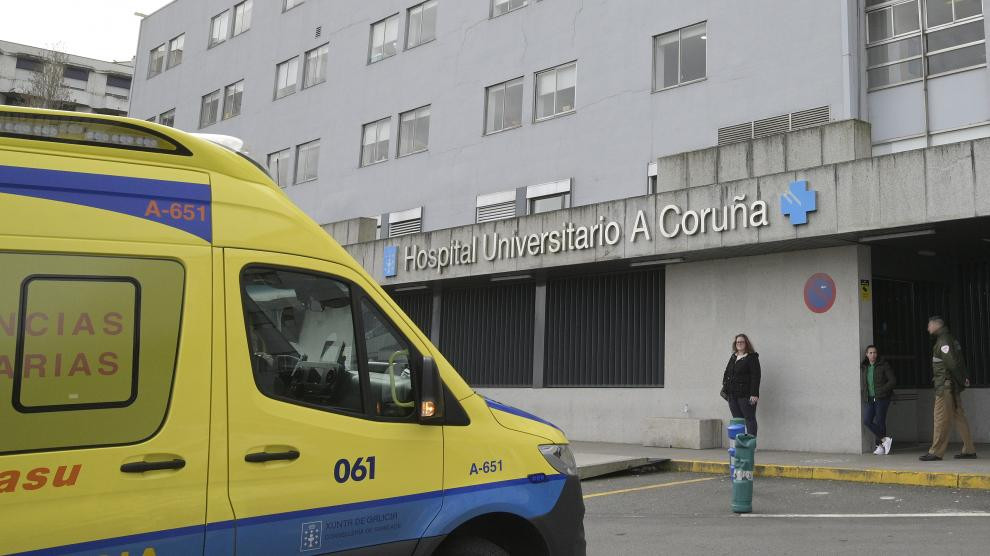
47 89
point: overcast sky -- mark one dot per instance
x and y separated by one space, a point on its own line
102 29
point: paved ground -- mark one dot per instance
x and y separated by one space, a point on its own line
685 513
903 458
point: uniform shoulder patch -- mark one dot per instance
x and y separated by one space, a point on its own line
945 348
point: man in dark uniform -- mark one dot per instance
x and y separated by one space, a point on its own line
950 377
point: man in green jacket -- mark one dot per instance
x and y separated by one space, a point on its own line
950 378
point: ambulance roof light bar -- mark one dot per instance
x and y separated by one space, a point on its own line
82 130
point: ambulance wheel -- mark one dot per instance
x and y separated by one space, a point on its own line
470 546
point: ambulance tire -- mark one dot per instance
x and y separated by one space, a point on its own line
470 546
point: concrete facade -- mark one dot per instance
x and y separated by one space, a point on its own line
92 95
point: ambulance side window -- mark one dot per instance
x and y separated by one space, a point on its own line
87 356
389 369
300 329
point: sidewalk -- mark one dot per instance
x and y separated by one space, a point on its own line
901 467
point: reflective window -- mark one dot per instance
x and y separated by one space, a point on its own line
219 28
286 74
95 340
156 61
278 166
209 109
232 99
500 7
307 161
300 330
384 38
175 50
315 66
555 90
550 203
374 141
242 16
167 118
503 106
389 370
421 26
680 56
414 131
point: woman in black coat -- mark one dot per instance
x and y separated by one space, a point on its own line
741 381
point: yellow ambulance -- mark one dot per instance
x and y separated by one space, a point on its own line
190 365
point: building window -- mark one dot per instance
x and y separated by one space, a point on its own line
31 64
384 37
278 166
175 51
953 39
307 161
232 99
289 4
421 26
242 17
549 196
76 73
414 131
315 66
119 81
679 57
209 108
501 7
555 91
285 77
219 28
374 141
495 206
167 118
156 61
503 106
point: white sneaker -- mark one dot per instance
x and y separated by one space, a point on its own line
879 450
886 444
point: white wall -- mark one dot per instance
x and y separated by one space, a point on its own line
810 390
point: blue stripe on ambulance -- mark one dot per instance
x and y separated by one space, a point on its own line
389 520
181 205
518 412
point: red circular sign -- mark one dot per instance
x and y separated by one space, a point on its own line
819 293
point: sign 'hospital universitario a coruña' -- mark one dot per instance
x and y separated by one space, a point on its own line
672 221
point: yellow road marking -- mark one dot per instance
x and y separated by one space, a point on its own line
648 487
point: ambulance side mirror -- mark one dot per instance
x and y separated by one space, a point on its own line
431 393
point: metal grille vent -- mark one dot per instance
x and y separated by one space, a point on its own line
735 133
405 227
811 117
418 305
319 31
498 211
777 124
771 126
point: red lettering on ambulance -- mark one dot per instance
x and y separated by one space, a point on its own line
108 363
8 480
61 481
5 367
30 324
37 478
152 210
7 325
84 323
112 323
80 365
34 361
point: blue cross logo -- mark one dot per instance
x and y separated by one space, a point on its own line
390 263
798 201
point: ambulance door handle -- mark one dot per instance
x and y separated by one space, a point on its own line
142 466
261 457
